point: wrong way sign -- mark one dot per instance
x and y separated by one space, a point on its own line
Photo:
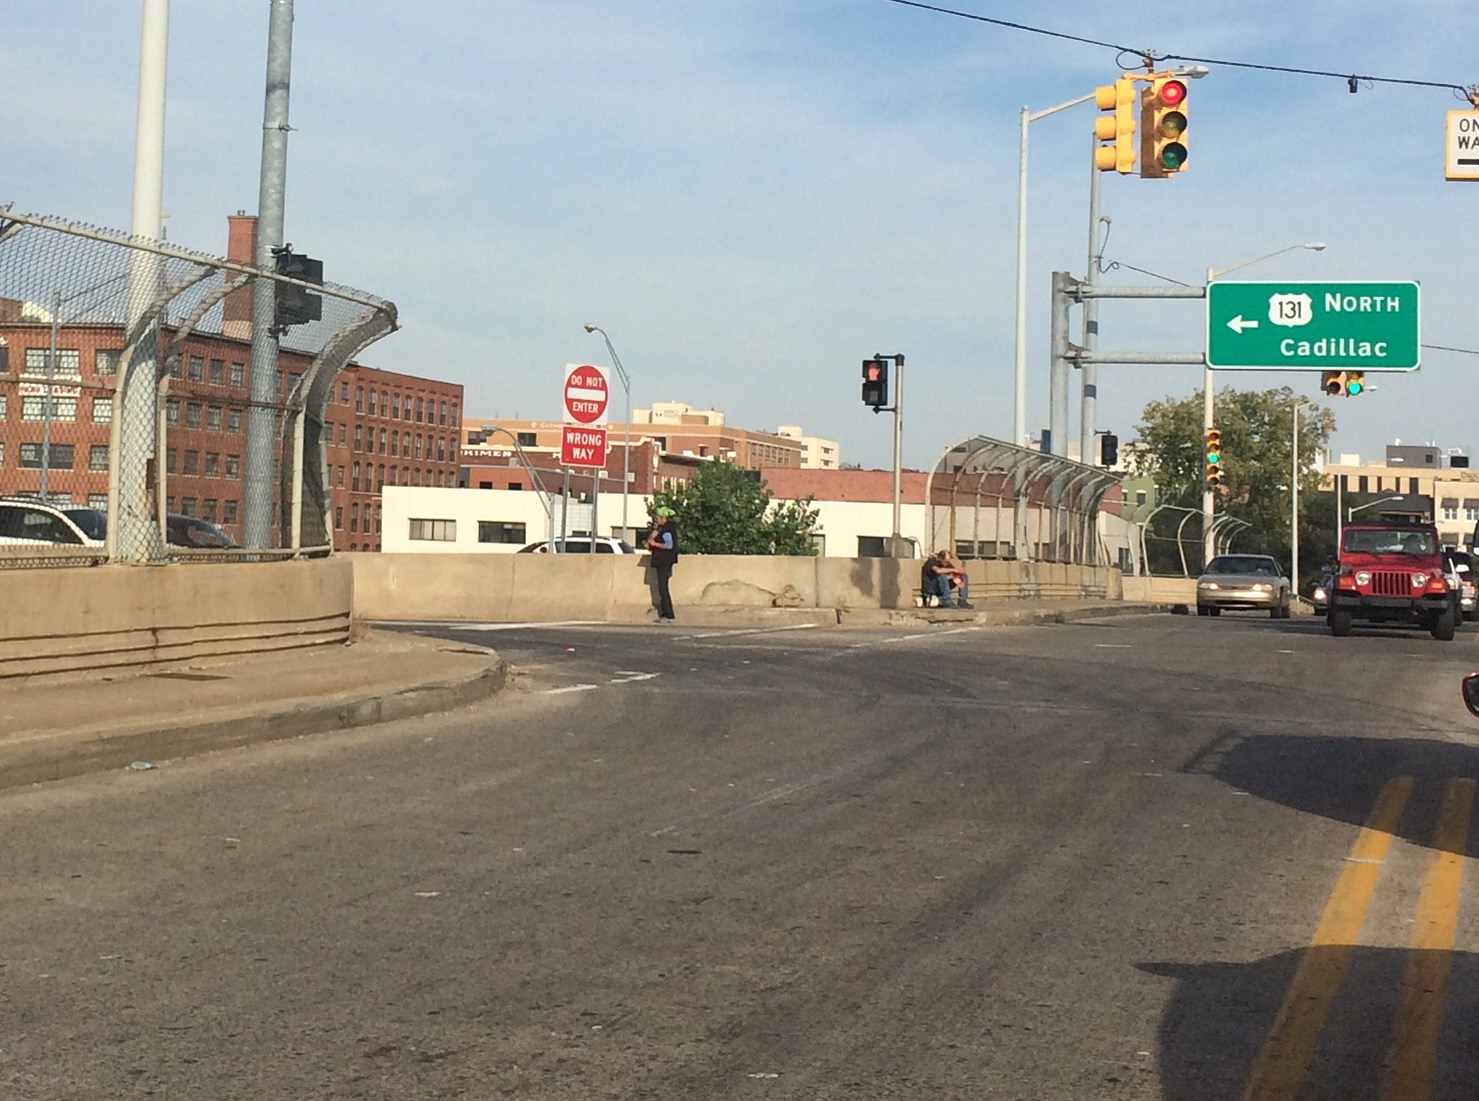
587 393
580 446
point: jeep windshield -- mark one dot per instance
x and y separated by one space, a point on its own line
1390 541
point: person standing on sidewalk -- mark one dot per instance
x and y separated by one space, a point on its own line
663 543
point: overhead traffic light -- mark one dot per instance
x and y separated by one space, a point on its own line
1117 129
875 383
1348 384
1214 458
1163 127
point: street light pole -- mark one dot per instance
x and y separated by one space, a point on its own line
626 447
1019 411
1208 401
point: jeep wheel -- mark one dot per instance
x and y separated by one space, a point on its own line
1340 622
1443 626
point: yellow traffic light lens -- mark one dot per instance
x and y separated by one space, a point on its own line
1173 124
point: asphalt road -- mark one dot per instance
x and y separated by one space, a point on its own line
1145 857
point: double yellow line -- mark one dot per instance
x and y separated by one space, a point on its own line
1280 1069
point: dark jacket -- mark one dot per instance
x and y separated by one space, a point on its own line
665 556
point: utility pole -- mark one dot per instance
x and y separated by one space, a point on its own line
1089 372
260 484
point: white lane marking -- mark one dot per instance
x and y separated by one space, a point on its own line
570 688
1113 646
627 678
457 625
752 631
910 638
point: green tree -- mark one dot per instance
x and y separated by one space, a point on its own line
1257 439
726 510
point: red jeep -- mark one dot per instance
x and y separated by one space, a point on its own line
1392 572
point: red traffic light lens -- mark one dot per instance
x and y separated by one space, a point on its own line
1172 93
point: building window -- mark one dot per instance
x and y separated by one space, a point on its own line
98 501
218 372
442 414
192 414
228 512
338 519
197 369
380 476
354 517
419 404
238 374
68 363
359 399
384 403
187 506
102 410
354 479
339 477
192 462
435 531
106 361
372 403
872 546
359 437
171 460
528 439
33 408
233 466
61 456
395 443
497 531
233 420
1471 509
377 519
1450 508
1139 497
212 466
4 406
97 457
382 441
1361 482
441 449
395 406
406 445
454 415
343 435
418 445
208 509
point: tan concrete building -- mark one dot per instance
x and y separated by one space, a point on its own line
1410 476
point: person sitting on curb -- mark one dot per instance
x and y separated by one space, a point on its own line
949 576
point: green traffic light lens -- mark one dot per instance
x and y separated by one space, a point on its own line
1213 458
1353 388
1173 156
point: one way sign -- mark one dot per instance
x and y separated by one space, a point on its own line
1462 160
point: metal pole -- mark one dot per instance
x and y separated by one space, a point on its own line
1019 421
1089 372
51 351
259 480
1058 369
626 458
898 447
559 547
129 515
1339 493
1209 498
595 505
1294 505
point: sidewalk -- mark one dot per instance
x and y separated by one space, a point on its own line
52 729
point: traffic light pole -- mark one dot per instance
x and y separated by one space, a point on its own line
1089 372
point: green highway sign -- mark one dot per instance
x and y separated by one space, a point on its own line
1313 326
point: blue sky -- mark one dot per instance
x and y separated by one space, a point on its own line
750 196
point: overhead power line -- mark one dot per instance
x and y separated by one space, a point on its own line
1150 57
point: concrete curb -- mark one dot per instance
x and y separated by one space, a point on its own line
57 755
986 616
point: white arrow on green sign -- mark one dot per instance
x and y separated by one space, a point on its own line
1313 326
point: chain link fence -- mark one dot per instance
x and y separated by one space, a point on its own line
157 403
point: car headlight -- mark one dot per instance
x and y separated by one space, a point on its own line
1363 577
1419 580
1206 584
1318 594
1263 587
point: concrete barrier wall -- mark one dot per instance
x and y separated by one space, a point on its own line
1161 590
72 620
542 587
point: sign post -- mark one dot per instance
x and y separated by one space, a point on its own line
586 396
1364 326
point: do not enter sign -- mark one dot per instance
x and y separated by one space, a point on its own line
586 393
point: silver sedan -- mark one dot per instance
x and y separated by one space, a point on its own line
1243 581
